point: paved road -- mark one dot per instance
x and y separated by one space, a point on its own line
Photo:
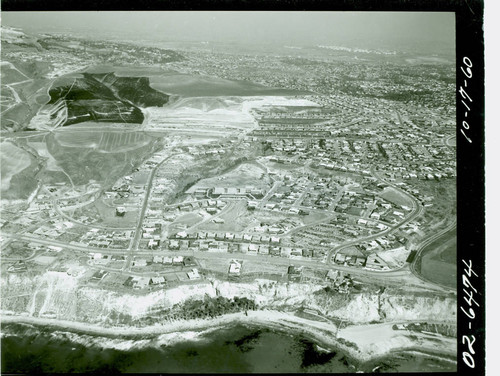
403 274
138 228
419 254
229 206
65 245
298 202
92 225
268 195
399 276
311 224
417 209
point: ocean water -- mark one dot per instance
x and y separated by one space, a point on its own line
235 349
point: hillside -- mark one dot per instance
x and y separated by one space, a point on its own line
43 89
59 296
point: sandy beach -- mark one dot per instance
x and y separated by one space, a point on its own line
375 340
372 340
275 319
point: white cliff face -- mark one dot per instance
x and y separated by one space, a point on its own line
366 307
140 305
58 295
418 308
358 308
267 293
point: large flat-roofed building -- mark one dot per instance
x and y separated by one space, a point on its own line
236 191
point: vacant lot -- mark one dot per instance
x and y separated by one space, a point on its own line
140 178
109 218
245 175
394 197
188 219
233 216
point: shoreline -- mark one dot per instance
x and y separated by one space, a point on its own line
321 332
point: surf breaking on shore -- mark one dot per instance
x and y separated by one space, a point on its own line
347 340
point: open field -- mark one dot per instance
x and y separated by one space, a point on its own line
18 172
188 219
207 86
237 218
140 178
444 193
14 160
104 142
394 197
263 267
127 71
15 116
11 75
233 216
100 156
41 149
109 218
242 176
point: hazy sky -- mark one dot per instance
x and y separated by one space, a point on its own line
281 27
